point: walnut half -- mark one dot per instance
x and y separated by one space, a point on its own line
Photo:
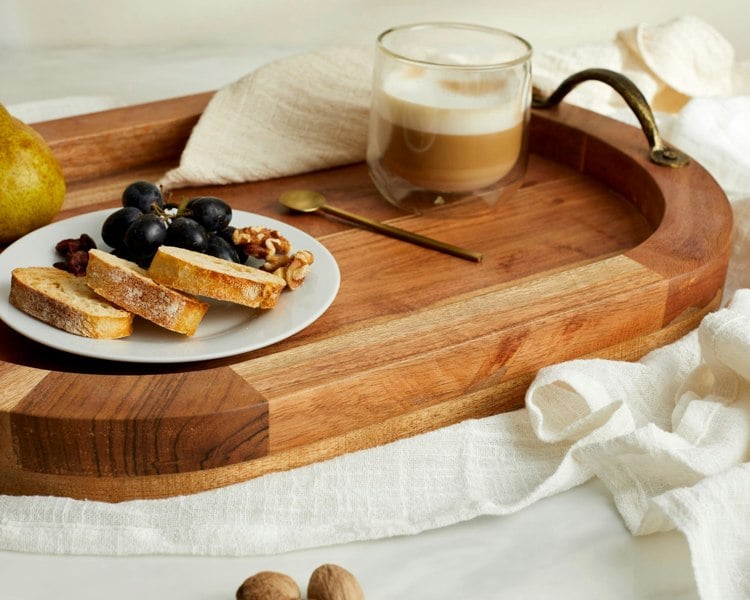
273 248
295 271
261 242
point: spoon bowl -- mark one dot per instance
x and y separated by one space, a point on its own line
302 200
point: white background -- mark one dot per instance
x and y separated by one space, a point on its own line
545 23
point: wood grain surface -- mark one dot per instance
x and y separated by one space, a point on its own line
600 253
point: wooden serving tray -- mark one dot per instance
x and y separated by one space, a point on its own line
600 253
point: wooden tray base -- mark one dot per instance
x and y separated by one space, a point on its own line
600 253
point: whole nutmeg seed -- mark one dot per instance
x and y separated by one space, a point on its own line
332 582
268 585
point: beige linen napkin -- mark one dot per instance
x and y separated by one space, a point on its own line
669 435
294 115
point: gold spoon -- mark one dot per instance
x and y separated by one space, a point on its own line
309 201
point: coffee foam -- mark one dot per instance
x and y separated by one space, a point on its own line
436 103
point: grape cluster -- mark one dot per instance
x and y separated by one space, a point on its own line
146 222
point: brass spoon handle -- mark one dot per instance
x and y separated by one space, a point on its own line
402 234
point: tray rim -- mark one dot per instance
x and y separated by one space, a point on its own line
690 261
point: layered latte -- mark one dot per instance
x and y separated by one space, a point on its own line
445 134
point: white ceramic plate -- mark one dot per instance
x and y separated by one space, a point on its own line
226 330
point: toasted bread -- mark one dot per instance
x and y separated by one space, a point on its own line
205 275
127 285
66 302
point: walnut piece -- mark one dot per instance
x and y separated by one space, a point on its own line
276 262
274 249
332 582
261 242
296 270
268 585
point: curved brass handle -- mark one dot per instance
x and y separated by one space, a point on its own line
659 153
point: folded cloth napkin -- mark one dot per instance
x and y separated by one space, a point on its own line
294 115
668 435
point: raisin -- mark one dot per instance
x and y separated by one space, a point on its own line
76 254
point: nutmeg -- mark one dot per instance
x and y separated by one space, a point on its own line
332 582
268 585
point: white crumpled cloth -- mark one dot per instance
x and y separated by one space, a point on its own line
668 435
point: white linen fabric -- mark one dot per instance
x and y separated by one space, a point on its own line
297 114
669 435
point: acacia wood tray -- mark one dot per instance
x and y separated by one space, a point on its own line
600 253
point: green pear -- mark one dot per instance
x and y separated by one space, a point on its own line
32 185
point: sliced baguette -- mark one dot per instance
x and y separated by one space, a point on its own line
66 302
127 285
205 275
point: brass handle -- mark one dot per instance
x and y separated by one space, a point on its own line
659 152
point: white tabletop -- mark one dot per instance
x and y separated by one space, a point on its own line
570 546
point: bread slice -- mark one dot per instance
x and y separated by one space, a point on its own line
66 302
205 275
126 284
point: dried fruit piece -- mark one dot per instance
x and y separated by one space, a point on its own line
75 253
70 245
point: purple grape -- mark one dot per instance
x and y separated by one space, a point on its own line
145 235
186 233
220 248
213 213
116 224
142 195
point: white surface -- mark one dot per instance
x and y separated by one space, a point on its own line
127 51
573 545
226 329
263 23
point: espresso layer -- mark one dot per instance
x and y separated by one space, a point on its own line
448 163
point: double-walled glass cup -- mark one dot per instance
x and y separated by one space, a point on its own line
449 116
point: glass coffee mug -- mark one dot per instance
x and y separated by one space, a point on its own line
449 116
